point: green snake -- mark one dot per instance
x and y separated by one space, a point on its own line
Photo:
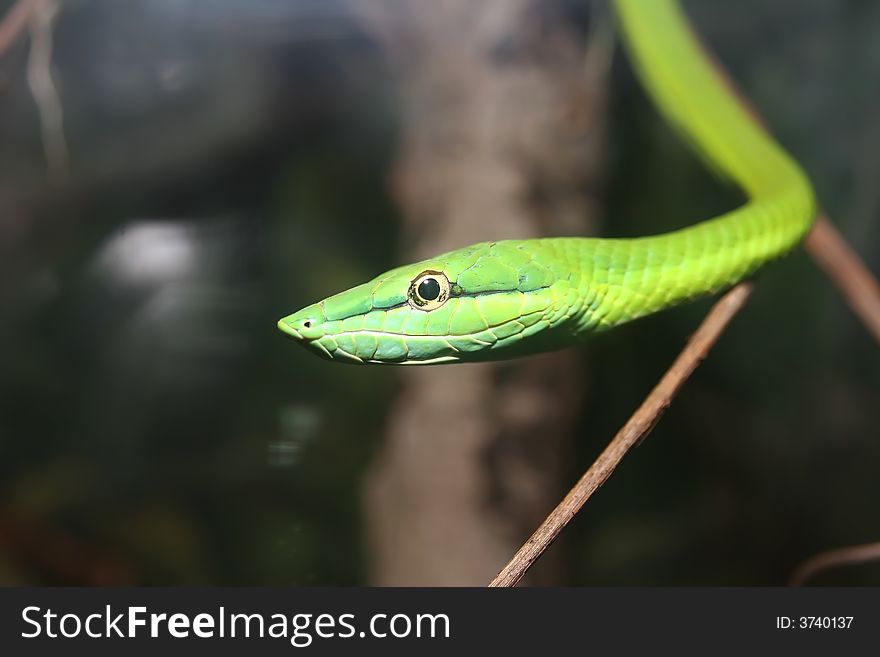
498 300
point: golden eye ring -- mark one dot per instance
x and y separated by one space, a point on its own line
428 291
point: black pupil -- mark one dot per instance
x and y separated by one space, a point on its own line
429 289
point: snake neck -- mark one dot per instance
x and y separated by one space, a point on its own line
620 280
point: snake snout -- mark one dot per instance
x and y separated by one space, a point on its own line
303 325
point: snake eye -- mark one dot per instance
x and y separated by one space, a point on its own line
429 290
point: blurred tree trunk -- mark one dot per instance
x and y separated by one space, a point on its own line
503 112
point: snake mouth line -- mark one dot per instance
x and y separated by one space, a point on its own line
333 353
410 336
289 330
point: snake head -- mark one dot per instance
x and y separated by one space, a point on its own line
476 303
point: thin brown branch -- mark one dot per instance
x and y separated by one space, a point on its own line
858 287
635 429
841 264
44 89
847 556
14 22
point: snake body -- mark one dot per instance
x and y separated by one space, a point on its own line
509 298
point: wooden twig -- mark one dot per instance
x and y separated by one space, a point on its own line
856 284
847 556
635 429
841 264
45 91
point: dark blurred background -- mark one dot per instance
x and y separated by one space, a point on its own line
175 175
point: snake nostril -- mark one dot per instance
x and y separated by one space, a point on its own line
307 323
